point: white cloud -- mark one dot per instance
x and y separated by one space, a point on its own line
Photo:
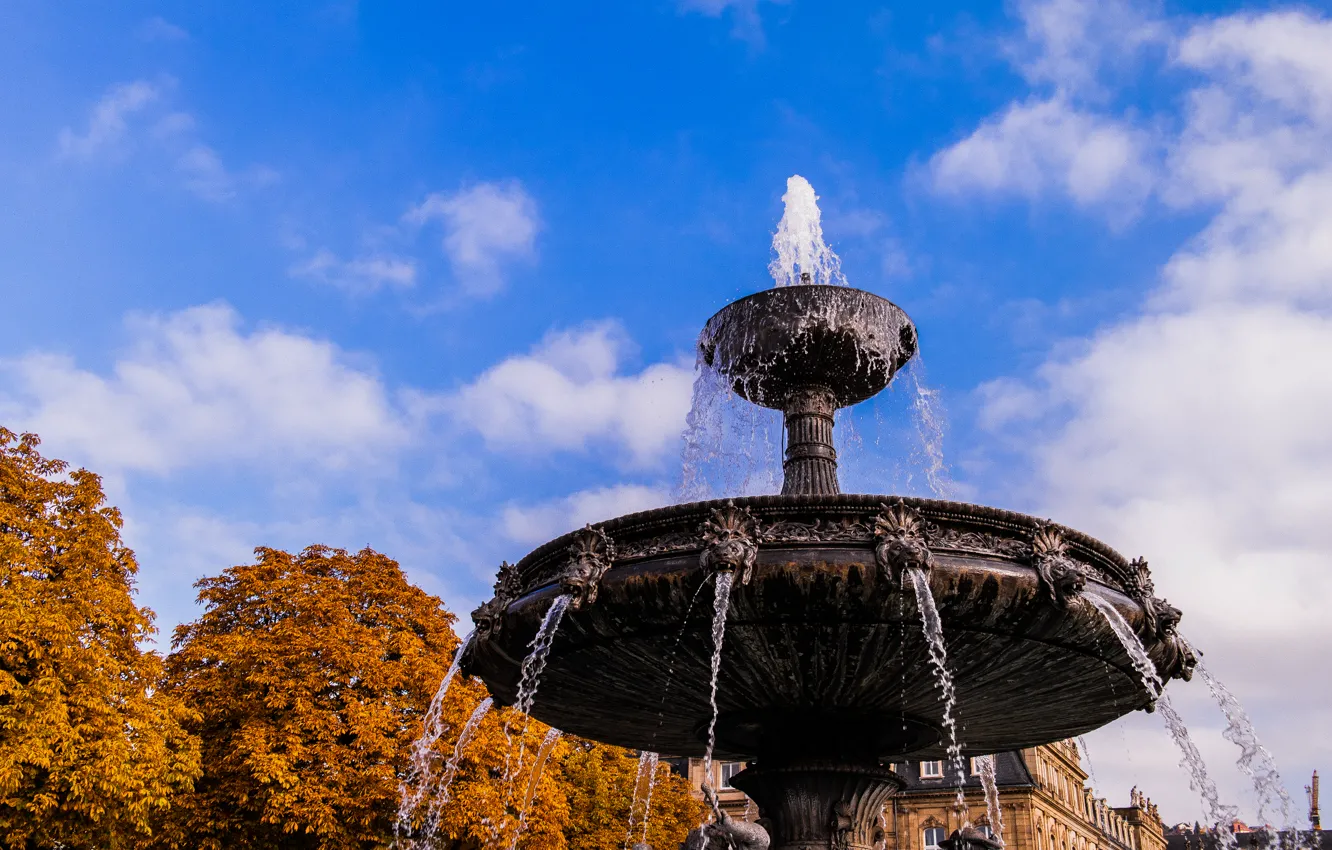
533 524
195 389
486 227
567 395
1070 44
1195 433
1042 146
359 275
108 122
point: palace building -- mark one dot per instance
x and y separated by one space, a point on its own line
1044 798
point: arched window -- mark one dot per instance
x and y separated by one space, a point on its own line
1040 845
933 835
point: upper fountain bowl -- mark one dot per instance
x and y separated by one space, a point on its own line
774 342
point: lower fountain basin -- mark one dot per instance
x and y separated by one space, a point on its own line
824 654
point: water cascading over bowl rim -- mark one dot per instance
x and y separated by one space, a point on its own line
825 667
825 634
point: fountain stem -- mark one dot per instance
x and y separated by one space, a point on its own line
811 461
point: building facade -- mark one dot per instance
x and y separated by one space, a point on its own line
1045 804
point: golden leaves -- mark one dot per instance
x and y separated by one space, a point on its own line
90 750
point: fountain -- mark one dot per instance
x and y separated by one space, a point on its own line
825 675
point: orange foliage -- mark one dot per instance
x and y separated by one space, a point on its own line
89 752
310 674
284 716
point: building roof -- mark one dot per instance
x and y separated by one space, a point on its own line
1010 771
1205 839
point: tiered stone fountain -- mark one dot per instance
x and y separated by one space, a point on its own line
824 677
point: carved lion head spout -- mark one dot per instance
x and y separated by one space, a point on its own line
731 538
1058 575
900 542
1179 657
488 619
1161 622
590 556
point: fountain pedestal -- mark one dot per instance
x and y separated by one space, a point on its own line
821 805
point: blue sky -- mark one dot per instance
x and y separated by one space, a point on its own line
428 278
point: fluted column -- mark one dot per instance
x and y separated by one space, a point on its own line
816 806
811 460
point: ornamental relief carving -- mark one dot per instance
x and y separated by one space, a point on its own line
1059 576
488 618
730 534
844 530
590 555
900 542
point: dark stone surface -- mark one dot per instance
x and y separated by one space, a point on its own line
817 806
793 337
819 635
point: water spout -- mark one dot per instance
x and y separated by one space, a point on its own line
444 794
801 254
1220 816
1255 760
421 768
985 764
538 764
645 777
932 626
721 603
529 679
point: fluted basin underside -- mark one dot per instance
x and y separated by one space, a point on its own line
824 654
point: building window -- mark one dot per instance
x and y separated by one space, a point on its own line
934 834
931 770
985 830
729 769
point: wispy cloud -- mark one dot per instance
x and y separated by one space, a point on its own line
746 20
487 227
108 123
130 117
158 28
532 524
360 275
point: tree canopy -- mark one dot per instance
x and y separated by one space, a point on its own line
310 674
284 716
90 750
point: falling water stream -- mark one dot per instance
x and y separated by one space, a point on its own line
644 780
985 764
421 769
1219 815
443 795
1255 760
933 628
529 678
721 603
538 764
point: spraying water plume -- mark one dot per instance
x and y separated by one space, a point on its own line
802 255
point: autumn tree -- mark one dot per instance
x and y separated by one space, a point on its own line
310 674
600 783
89 748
